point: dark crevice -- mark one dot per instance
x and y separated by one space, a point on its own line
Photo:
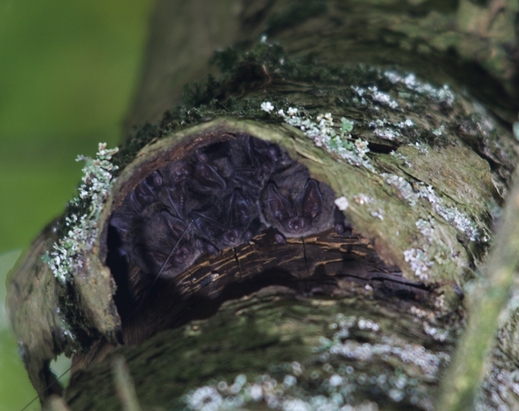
219 209
237 262
304 256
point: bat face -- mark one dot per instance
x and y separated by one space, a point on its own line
240 223
178 172
297 217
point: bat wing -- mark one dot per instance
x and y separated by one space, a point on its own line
278 206
178 198
207 227
310 203
238 213
206 179
141 197
175 227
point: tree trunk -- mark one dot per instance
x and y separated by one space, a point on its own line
364 322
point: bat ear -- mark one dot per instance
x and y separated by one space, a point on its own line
207 227
206 178
278 205
311 200
175 226
179 200
142 196
238 213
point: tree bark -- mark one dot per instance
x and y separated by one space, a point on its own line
369 322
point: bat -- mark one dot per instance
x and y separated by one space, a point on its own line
206 179
227 223
163 244
253 161
219 197
188 184
296 205
128 214
145 193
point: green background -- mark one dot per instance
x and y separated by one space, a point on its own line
68 72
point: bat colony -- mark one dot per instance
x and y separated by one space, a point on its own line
218 198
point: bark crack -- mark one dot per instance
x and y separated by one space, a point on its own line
237 262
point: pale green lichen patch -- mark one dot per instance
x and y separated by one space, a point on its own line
321 130
67 256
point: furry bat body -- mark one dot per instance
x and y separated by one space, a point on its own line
163 244
253 161
297 206
229 222
190 184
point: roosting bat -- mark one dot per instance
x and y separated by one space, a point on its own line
298 206
219 197
163 244
129 213
253 161
228 223
188 184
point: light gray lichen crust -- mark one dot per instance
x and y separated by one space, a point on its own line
321 131
67 255
335 387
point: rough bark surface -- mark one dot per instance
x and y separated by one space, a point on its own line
370 321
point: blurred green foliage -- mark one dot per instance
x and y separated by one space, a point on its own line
67 75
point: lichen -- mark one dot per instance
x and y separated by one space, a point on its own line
322 132
451 214
67 255
442 95
329 381
419 262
